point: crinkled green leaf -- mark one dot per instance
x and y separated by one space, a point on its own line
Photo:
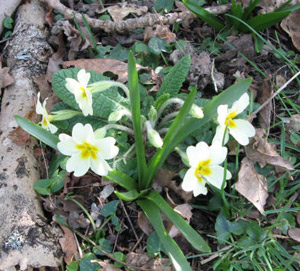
175 78
104 102
110 208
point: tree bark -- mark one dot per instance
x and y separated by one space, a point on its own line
21 214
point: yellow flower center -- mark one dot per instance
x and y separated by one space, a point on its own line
229 119
87 150
83 90
44 122
203 169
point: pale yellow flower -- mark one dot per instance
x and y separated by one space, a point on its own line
86 151
204 168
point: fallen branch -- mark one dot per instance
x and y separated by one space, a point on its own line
131 24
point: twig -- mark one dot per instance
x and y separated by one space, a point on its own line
216 255
131 24
253 115
129 220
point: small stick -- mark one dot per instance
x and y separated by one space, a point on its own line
253 115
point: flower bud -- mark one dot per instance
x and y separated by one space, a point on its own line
153 136
196 112
64 114
100 86
152 115
116 116
100 133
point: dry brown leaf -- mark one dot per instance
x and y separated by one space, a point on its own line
252 185
5 78
18 135
292 27
102 65
265 113
294 122
144 223
294 233
261 151
119 12
185 210
68 244
161 31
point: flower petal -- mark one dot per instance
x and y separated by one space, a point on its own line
78 165
200 189
218 138
189 181
85 104
242 132
216 177
82 133
53 129
66 145
83 77
241 104
107 148
222 113
72 85
38 107
217 154
100 166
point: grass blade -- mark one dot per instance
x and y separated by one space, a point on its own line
187 231
204 15
136 119
38 132
174 252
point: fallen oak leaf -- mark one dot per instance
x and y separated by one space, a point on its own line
251 185
5 78
261 151
102 65
265 114
291 26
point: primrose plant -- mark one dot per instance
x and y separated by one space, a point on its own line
83 129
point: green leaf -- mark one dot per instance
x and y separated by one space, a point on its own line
256 232
250 8
57 181
263 21
160 100
110 208
157 45
73 266
204 14
175 78
86 264
222 228
119 256
104 244
8 22
38 132
42 187
128 196
136 119
122 179
187 231
55 163
61 220
164 4
104 102
171 248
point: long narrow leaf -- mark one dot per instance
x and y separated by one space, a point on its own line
136 118
175 254
38 132
228 96
122 179
187 231
263 21
173 132
204 14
